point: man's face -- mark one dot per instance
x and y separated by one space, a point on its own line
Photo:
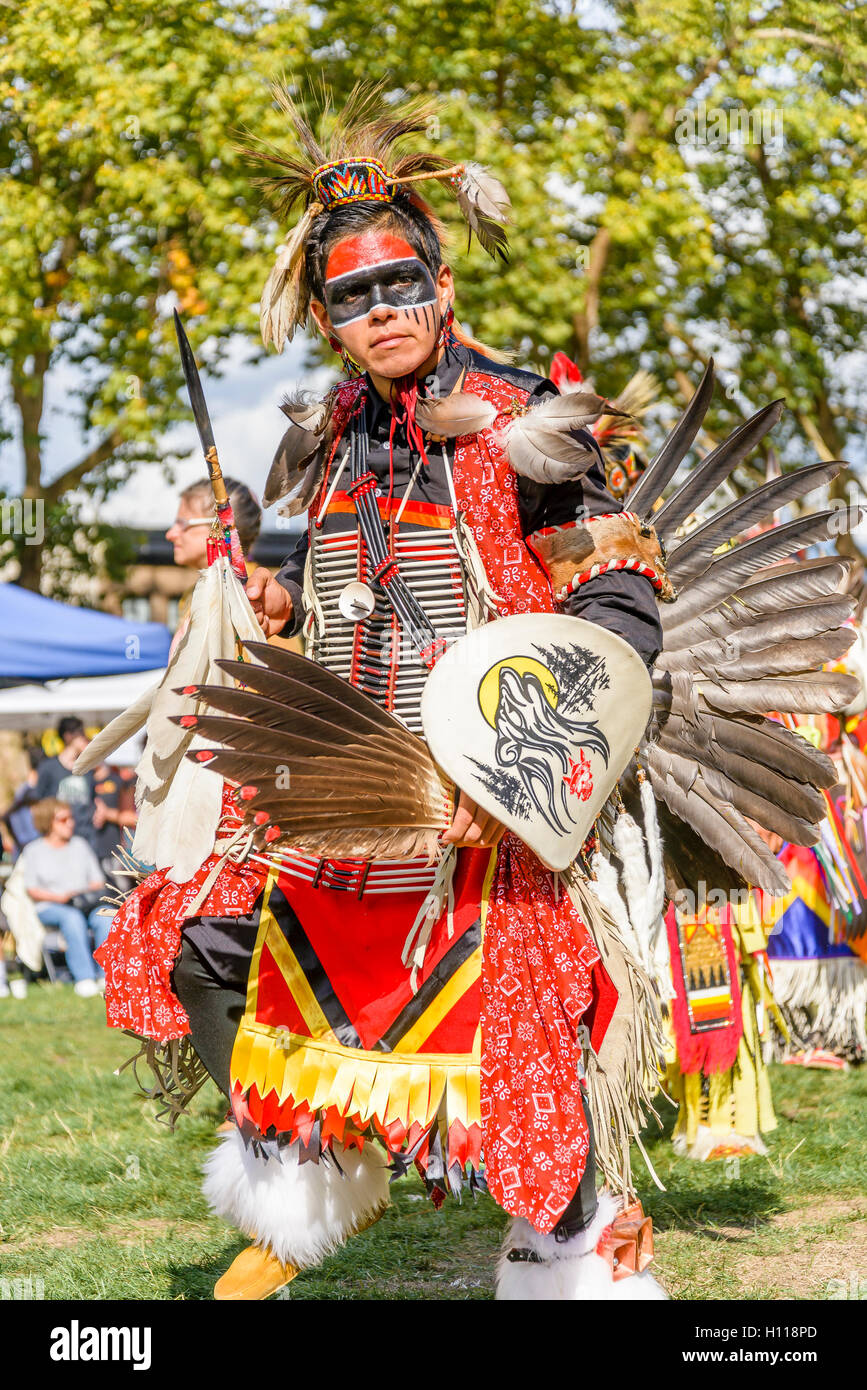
188 534
382 302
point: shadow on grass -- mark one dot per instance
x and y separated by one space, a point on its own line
738 1192
196 1281
412 1253
744 1206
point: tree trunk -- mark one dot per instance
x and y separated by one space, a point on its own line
28 392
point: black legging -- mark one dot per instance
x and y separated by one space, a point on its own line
215 1008
582 1208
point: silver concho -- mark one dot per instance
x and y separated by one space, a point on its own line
357 601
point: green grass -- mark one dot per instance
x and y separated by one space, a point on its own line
99 1201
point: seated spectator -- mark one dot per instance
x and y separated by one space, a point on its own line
63 877
115 812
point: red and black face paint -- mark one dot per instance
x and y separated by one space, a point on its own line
377 268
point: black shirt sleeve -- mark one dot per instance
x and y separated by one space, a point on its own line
291 576
623 603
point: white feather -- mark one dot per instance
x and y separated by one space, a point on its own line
189 818
483 192
124 726
541 444
180 800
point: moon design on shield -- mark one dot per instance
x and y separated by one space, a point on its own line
489 686
518 697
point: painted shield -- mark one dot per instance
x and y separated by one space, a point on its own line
535 717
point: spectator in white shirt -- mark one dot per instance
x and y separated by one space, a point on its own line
63 877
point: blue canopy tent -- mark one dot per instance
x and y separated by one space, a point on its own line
42 640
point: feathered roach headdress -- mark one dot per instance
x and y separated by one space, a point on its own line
356 161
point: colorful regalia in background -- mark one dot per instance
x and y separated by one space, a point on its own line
818 948
717 1018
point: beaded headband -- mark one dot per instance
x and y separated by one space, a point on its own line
343 181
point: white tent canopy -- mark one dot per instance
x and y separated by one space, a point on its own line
93 699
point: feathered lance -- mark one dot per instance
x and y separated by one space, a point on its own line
227 542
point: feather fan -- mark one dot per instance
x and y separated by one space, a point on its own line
323 767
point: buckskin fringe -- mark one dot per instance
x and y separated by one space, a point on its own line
177 1071
623 1077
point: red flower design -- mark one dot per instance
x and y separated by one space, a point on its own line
579 778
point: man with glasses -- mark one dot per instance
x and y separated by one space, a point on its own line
62 876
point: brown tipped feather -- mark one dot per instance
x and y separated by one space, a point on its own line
328 766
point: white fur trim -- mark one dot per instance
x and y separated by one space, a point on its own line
571 1270
300 1211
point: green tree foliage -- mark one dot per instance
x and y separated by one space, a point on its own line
122 194
658 217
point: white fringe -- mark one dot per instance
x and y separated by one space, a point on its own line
833 990
706 1140
300 1211
483 603
440 894
636 901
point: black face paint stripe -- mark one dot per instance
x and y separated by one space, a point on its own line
352 296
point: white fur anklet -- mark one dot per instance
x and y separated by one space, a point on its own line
567 1270
300 1211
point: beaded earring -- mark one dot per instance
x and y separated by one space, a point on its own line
445 334
350 366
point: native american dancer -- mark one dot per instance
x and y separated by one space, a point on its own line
718 1007
380 969
818 947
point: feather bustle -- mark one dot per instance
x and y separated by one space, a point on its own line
664 465
715 468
